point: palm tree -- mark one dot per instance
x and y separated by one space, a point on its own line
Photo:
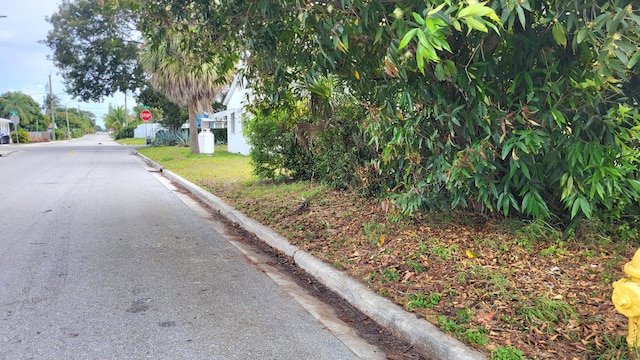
116 118
324 94
27 109
186 79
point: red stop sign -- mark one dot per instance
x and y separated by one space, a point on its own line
145 115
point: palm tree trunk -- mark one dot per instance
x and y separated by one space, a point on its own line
193 130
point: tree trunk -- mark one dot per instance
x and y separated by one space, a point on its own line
193 130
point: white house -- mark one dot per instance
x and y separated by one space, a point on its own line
238 96
211 122
146 130
5 127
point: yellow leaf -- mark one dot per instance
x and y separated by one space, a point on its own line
514 155
470 254
357 75
381 242
390 67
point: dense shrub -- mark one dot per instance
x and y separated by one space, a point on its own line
220 136
501 107
274 151
126 132
76 133
342 156
23 136
60 135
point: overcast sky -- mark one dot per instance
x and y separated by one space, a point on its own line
23 61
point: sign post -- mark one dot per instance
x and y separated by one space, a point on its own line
146 115
15 119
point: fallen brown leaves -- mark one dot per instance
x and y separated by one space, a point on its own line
512 285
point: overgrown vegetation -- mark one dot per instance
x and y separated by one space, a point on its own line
77 122
514 108
23 136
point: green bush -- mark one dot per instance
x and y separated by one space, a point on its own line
23 136
274 152
60 135
324 143
343 154
126 132
76 133
220 136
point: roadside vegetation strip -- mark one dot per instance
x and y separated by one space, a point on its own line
211 172
132 141
509 288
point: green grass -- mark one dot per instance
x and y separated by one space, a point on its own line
204 170
130 141
549 312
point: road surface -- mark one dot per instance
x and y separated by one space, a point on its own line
101 258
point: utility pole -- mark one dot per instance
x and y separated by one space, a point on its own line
126 117
66 110
80 117
53 119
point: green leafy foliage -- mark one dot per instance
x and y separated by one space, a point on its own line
79 122
126 132
548 313
23 136
173 116
25 108
220 136
507 353
273 149
116 119
498 106
418 301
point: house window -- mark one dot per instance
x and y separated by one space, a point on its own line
232 123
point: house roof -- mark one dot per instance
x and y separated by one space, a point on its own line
235 85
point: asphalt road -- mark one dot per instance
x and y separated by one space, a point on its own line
102 259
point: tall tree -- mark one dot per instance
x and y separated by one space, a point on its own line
95 49
28 109
186 79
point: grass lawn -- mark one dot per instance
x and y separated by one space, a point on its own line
512 289
132 141
222 169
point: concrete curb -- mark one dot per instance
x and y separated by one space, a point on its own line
421 333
